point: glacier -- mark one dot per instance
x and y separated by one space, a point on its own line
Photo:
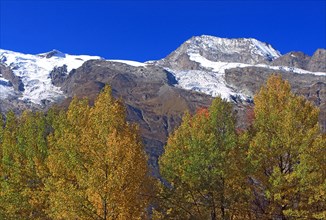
34 72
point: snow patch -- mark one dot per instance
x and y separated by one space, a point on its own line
265 49
210 83
211 80
218 66
290 69
130 62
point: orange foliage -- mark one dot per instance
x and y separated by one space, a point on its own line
203 112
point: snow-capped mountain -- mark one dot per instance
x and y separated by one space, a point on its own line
34 73
241 50
199 64
244 50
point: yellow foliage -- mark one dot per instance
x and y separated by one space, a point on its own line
282 151
98 163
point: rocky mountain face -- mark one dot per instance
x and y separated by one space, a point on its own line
149 92
316 63
293 59
248 81
157 93
243 50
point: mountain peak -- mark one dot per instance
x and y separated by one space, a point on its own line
53 53
228 50
247 51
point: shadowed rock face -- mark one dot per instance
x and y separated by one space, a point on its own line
151 99
58 75
293 59
7 73
318 61
11 102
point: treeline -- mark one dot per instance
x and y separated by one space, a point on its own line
89 163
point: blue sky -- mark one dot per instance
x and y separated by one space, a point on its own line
148 30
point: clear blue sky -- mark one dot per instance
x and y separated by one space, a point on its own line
148 30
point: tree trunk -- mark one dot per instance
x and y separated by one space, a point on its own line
213 214
223 212
213 211
105 213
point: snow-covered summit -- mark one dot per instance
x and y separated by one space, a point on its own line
240 50
52 53
200 62
215 49
34 72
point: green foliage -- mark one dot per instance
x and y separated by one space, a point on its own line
24 149
1 128
203 163
282 156
284 150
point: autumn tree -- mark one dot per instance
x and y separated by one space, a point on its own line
97 163
32 133
204 166
1 128
10 196
287 153
23 147
1 136
2 212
